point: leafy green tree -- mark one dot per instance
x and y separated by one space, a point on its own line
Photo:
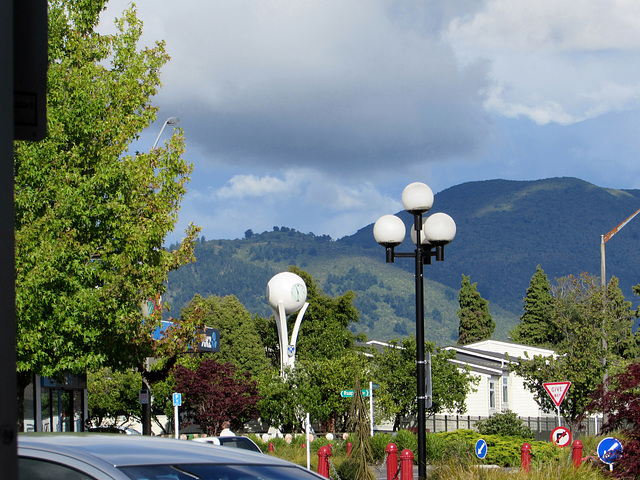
617 327
240 343
215 392
278 404
90 217
318 383
395 372
324 332
583 314
313 387
113 396
536 327
476 322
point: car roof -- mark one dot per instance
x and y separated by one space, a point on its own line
128 450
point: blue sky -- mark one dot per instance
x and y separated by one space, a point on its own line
315 114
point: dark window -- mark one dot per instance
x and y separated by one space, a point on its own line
31 469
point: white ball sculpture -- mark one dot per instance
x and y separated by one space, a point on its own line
288 288
287 294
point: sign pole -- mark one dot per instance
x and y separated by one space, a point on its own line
307 428
177 421
371 405
177 401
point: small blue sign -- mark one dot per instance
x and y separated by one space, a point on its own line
177 399
610 450
481 448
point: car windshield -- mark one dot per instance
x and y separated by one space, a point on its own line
216 472
239 442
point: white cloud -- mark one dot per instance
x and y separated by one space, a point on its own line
242 186
551 25
555 61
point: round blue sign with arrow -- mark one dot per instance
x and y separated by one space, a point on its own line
481 448
610 450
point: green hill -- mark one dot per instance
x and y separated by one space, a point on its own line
505 229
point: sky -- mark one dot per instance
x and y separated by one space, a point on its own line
315 114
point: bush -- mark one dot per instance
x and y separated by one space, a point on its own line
505 423
379 444
406 439
502 450
436 447
347 470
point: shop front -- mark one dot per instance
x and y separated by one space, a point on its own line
56 405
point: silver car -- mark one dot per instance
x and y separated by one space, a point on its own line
51 456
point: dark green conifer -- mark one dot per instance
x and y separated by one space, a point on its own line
476 322
536 326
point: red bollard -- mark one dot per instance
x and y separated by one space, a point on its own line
349 447
406 464
392 461
323 461
576 453
525 457
271 447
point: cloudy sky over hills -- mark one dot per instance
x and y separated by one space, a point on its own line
314 114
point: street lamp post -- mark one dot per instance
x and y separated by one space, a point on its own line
430 236
145 391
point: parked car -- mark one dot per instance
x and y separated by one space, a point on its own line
231 441
51 456
114 429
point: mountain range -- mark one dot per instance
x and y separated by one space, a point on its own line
505 229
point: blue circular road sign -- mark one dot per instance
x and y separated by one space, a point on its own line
610 450
481 448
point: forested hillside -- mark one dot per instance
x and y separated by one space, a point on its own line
505 229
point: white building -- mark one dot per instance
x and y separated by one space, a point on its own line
499 388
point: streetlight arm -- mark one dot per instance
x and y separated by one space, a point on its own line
605 238
168 121
159 134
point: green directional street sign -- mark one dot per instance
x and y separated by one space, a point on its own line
351 393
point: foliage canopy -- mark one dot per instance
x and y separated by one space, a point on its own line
584 314
91 217
396 374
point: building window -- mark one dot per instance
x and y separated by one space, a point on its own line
505 390
492 394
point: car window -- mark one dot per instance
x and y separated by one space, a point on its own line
32 469
239 442
217 472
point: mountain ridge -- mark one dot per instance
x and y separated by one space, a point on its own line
505 228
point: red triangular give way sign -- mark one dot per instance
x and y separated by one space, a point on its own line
557 391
